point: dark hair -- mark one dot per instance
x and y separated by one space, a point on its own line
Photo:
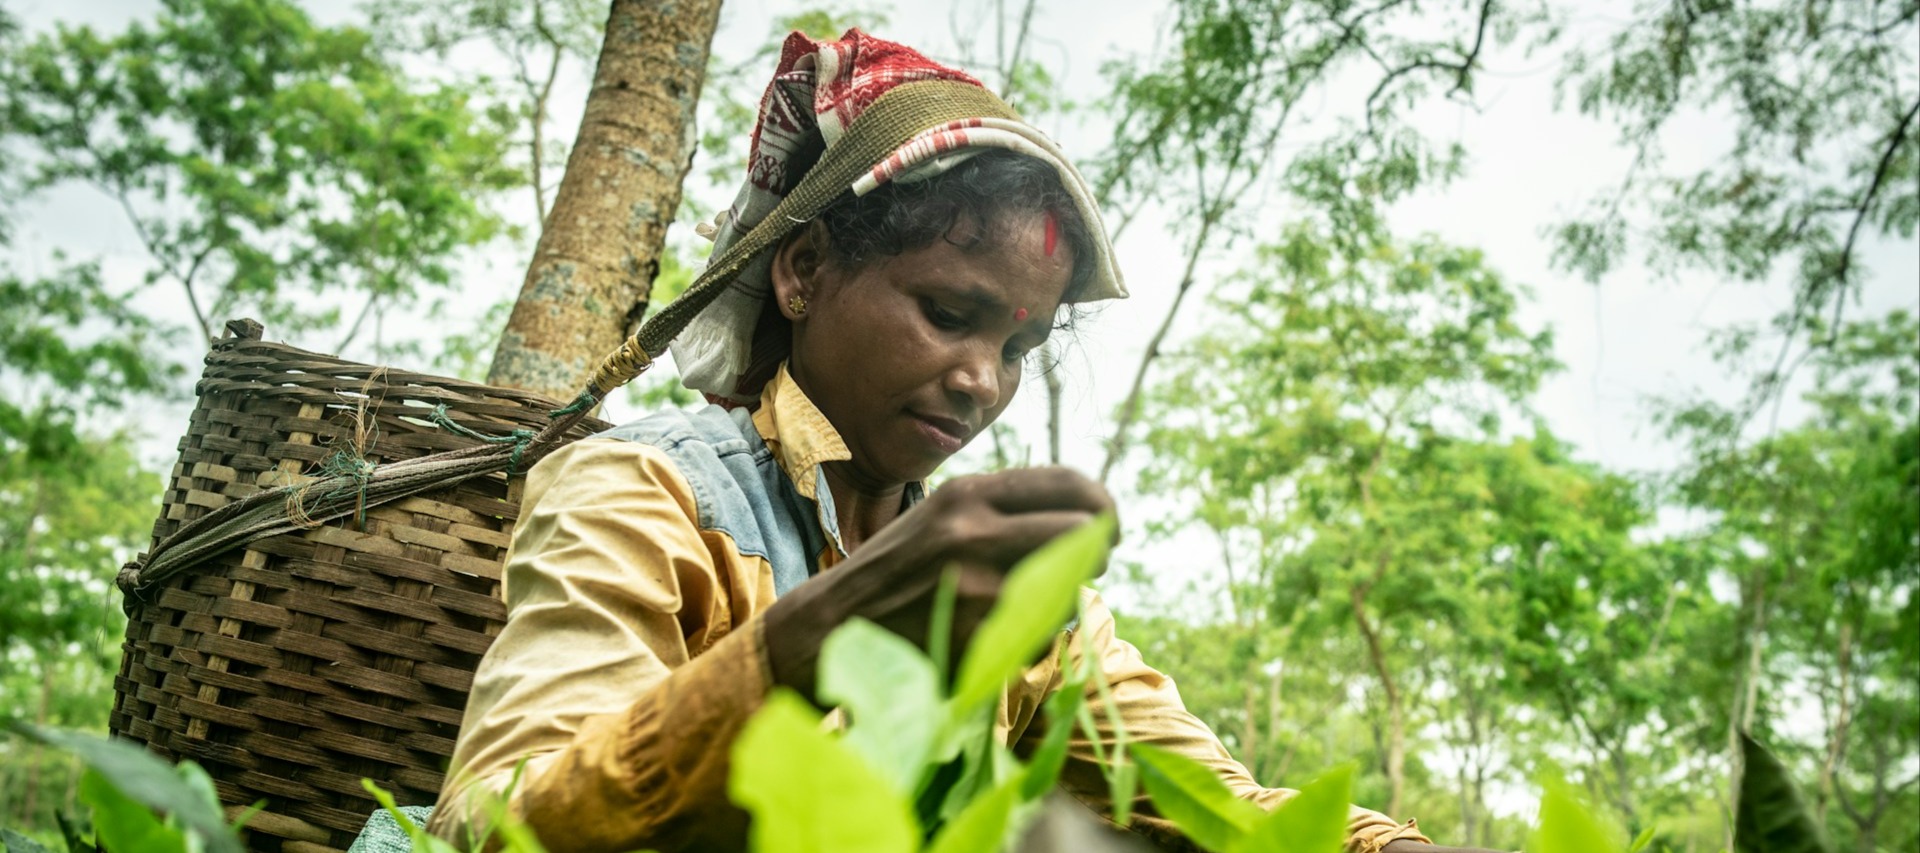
992 188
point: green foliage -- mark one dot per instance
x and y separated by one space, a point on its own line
886 686
796 780
260 156
1817 529
1567 826
1232 75
1826 150
136 803
1314 821
1187 793
1193 797
1772 816
124 788
1036 598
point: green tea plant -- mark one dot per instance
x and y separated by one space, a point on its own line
125 792
1195 799
134 802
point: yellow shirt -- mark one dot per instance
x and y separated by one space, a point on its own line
634 652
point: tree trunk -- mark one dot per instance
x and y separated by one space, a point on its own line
1396 740
1837 733
1250 723
1740 721
594 265
34 770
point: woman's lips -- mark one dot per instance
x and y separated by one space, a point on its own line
945 433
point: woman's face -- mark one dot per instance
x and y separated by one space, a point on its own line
912 356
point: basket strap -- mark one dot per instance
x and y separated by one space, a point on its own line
290 509
895 118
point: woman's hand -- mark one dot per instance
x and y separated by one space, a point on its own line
981 525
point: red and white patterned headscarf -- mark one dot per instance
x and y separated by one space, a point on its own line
814 97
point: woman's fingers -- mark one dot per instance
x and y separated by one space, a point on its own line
1012 537
1035 489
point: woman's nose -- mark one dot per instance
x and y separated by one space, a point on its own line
976 376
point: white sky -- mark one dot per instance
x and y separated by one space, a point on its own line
1529 165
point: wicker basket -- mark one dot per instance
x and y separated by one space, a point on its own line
295 666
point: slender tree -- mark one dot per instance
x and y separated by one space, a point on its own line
596 260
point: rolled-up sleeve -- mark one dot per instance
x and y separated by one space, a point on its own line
1149 707
629 652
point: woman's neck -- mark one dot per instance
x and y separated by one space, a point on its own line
862 508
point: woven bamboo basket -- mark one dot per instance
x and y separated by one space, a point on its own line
302 662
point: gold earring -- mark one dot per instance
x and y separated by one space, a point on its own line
797 305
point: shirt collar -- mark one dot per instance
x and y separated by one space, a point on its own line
800 436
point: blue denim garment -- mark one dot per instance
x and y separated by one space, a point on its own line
740 489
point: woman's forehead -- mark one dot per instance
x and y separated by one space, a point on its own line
1009 270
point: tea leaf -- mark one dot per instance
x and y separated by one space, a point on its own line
1123 785
981 827
1193 797
984 764
940 624
801 784
891 691
1038 596
76 828
1772 815
1043 768
1123 779
144 778
124 823
1314 821
422 842
1641 841
1567 826
955 767
14 842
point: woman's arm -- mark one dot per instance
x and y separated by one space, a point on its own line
628 655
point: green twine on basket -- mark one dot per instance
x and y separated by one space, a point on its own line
344 464
519 438
580 404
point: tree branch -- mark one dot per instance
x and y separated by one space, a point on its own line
354 330
1130 407
1019 46
1865 206
1463 69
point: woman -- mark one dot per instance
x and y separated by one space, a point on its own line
666 575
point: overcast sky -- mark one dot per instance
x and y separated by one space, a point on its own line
1624 341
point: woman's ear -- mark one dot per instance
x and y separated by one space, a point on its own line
796 269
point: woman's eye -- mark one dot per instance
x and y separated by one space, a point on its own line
1014 355
941 317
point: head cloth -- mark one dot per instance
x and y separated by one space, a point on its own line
845 116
